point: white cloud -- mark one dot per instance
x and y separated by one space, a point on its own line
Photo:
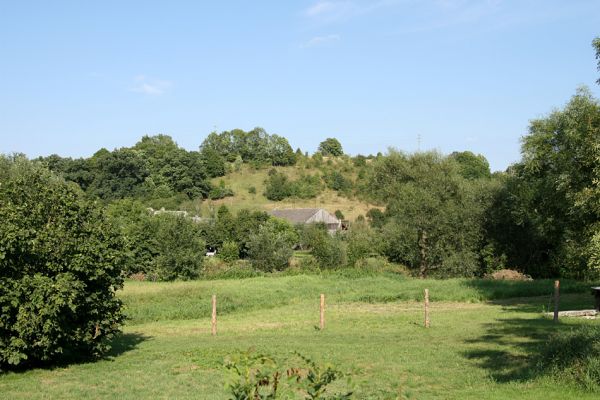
322 40
152 87
320 8
335 10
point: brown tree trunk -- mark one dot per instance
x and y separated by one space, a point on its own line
423 253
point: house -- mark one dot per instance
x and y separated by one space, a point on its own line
309 216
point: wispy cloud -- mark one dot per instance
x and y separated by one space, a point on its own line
149 86
335 10
321 40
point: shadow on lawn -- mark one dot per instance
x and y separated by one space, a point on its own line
125 342
121 344
511 347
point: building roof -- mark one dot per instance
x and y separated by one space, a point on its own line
295 215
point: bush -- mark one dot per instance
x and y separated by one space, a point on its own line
220 192
338 182
180 249
573 356
270 249
277 186
229 252
60 265
330 252
362 242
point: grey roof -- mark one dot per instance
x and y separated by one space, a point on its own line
295 215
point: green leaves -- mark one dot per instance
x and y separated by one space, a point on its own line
60 264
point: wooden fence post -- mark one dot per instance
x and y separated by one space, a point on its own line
556 299
322 313
214 315
426 308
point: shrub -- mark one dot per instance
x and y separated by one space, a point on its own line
306 187
220 192
330 252
270 249
362 242
229 252
336 181
277 186
60 265
262 376
180 249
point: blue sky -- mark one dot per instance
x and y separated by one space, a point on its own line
463 74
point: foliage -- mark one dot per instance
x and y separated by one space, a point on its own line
306 187
180 249
362 242
376 217
220 192
60 264
229 252
331 147
339 214
573 355
472 166
255 376
165 246
434 216
546 214
337 181
155 168
277 186
255 146
596 45
270 249
330 251
261 376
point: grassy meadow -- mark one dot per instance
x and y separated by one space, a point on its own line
482 343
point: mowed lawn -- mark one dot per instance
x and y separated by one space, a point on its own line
481 345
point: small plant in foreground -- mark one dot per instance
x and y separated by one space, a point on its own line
260 377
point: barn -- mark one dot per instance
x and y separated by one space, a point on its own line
309 216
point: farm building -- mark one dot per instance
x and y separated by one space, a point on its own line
309 216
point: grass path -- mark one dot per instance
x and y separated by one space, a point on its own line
475 348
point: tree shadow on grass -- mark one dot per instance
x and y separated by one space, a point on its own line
509 348
119 345
124 343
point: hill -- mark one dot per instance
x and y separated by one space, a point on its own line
241 183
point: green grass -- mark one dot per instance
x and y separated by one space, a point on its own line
482 343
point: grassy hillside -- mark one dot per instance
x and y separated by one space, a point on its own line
481 345
241 181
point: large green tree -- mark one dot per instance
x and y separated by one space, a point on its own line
60 266
554 196
434 215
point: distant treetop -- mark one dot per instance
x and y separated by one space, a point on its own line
331 147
